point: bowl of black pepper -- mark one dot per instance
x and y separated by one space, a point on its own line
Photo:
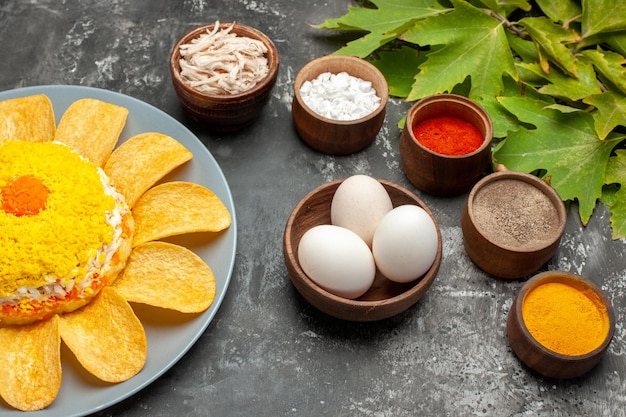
512 224
339 104
223 74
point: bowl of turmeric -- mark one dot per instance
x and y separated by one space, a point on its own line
560 324
223 74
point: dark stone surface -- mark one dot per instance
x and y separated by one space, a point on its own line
267 352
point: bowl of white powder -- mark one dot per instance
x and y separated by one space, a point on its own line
339 104
224 73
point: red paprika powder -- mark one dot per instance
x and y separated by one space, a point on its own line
24 196
448 135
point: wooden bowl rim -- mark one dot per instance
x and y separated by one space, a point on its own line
562 276
453 98
529 179
271 54
299 80
426 279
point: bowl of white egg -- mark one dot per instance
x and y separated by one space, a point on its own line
339 104
362 249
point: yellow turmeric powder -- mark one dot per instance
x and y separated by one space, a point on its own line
566 318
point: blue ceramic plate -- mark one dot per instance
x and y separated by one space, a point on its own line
170 334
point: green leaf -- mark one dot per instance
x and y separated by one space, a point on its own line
610 113
562 108
503 120
526 52
385 23
399 67
616 40
491 4
475 46
525 49
562 144
616 173
367 44
528 74
564 86
551 40
609 65
506 6
602 16
562 11
512 4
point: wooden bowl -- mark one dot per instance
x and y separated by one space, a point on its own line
512 224
225 112
435 173
546 361
335 137
385 298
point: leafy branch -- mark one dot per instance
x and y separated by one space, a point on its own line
550 73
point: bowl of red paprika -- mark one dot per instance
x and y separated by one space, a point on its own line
560 324
445 145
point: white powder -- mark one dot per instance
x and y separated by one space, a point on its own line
340 96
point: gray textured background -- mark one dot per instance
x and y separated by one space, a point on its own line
269 353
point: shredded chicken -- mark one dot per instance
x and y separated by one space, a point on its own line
220 62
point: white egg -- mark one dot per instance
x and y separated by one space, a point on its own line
359 203
337 260
405 243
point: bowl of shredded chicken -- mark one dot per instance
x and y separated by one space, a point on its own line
223 74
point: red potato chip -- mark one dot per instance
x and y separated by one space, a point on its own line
106 337
30 364
92 127
141 161
169 276
27 118
176 208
